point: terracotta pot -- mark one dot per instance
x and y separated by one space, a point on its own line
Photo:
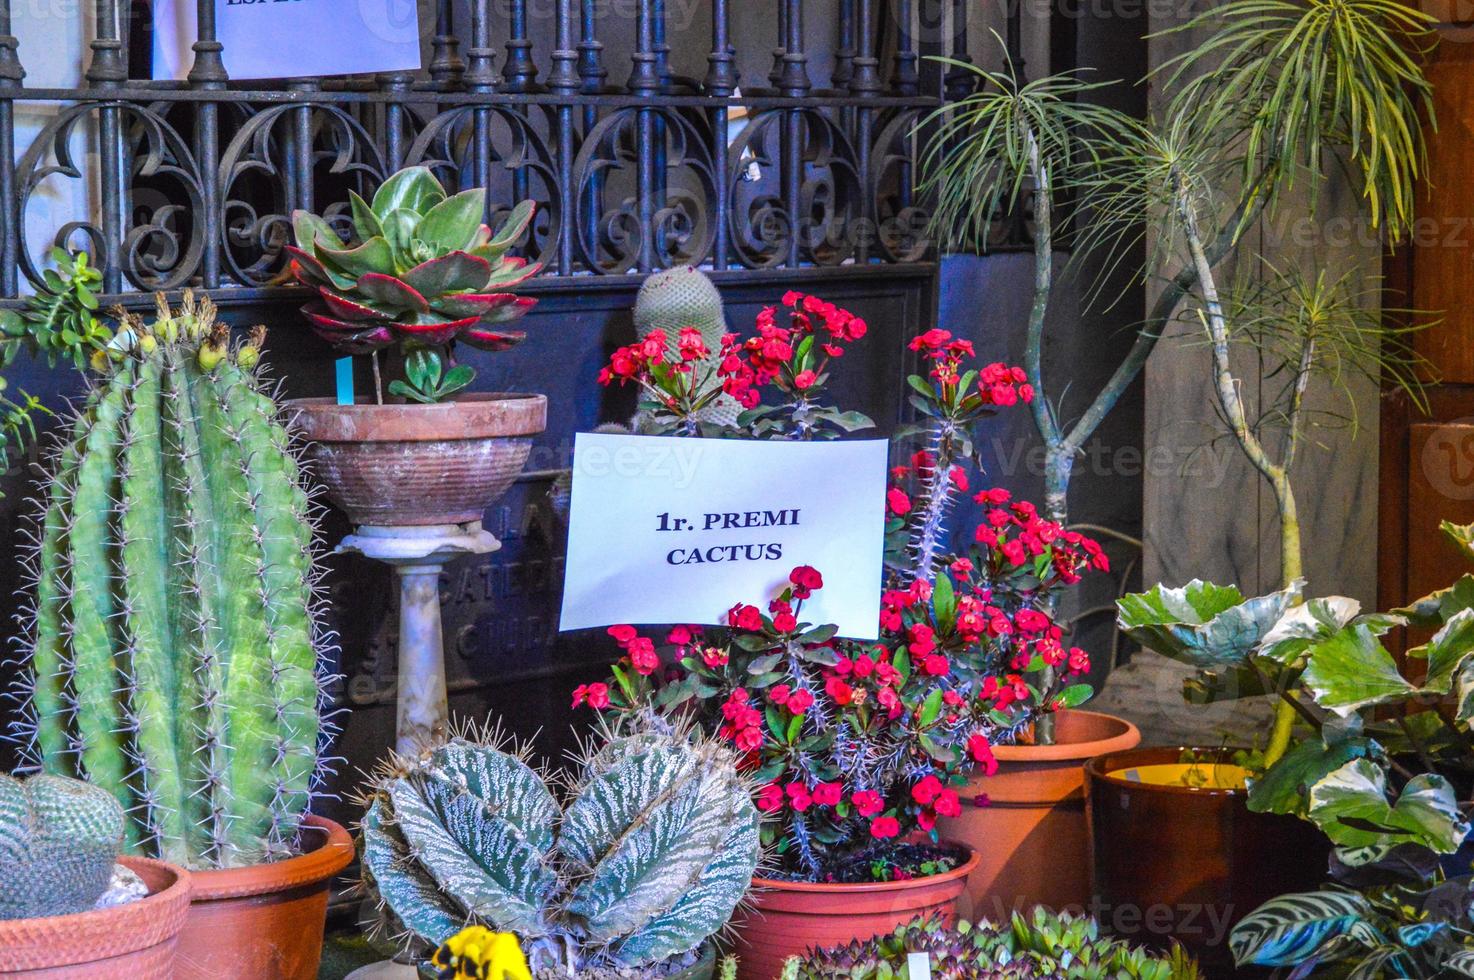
419 465
785 918
264 922
1185 862
1032 837
135 941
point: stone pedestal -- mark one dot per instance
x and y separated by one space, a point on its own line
418 555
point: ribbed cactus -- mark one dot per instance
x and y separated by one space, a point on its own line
59 839
654 849
173 650
684 297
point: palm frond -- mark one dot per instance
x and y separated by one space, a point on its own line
1289 81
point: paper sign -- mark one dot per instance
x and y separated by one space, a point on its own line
919 966
292 38
668 530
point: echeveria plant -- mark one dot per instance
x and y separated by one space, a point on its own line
421 271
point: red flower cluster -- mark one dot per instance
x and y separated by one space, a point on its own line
639 360
773 353
743 722
1015 535
998 384
639 650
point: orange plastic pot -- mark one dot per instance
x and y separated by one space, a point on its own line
135 941
264 922
786 918
1031 835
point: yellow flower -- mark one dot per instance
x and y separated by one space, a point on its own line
480 954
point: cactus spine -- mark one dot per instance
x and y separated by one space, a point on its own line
173 651
685 297
652 853
59 839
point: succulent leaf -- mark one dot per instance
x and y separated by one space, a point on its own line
413 189
453 273
452 224
404 885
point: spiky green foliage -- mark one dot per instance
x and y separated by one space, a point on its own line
1041 944
1283 83
669 301
58 322
173 653
59 839
650 854
419 270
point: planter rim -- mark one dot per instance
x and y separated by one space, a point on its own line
30 944
333 854
478 415
855 887
1128 737
1102 768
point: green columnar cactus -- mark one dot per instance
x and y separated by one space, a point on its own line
59 839
173 650
685 297
652 853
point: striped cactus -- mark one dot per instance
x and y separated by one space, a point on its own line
173 654
656 846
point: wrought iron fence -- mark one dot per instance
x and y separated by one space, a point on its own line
195 181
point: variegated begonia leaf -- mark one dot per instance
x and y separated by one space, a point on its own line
1205 625
1448 652
1291 929
1285 787
1352 669
1351 806
1434 610
1311 620
1463 536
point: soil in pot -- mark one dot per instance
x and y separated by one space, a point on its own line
264 922
419 465
1178 853
1030 835
132 941
786 918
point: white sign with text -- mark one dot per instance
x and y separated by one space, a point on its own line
292 38
667 530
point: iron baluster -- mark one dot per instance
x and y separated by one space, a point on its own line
12 77
446 65
721 82
208 73
520 74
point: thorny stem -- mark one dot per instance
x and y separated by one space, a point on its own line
378 378
1227 390
933 513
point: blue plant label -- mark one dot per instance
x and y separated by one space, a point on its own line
668 530
344 369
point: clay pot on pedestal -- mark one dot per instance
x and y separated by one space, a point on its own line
786 918
265 920
1188 861
418 465
1032 838
133 941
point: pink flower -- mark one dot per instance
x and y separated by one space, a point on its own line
714 657
798 796
867 802
678 636
980 750
884 828
806 581
926 790
804 380
785 622
745 617
948 804
829 794
622 634
800 701
837 689
749 739
897 501
770 798
596 695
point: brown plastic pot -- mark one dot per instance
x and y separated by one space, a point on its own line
419 465
264 922
1031 835
1188 862
135 941
785 918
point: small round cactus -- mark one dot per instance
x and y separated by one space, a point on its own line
59 839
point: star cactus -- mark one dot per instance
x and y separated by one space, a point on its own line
420 271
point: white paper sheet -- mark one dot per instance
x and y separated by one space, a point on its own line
292 38
666 530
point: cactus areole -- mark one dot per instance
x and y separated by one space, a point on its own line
173 651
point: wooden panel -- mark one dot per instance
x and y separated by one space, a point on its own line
1440 488
1443 240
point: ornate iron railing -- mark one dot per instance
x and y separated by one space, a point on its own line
195 181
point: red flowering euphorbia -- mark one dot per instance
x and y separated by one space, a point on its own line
850 742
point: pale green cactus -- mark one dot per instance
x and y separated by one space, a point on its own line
173 648
684 297
59 840
654 849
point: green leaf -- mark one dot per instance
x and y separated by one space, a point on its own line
1436 609
1311 620
365 222
513 228
456 379
1462 535
374 255
1352 670
763 664
1285 787
1447 652
1461 963
1202 624
311 231
413 189
819 634
1351 806
1291 929
452 224
944 602
931 708
937 750
1076 695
